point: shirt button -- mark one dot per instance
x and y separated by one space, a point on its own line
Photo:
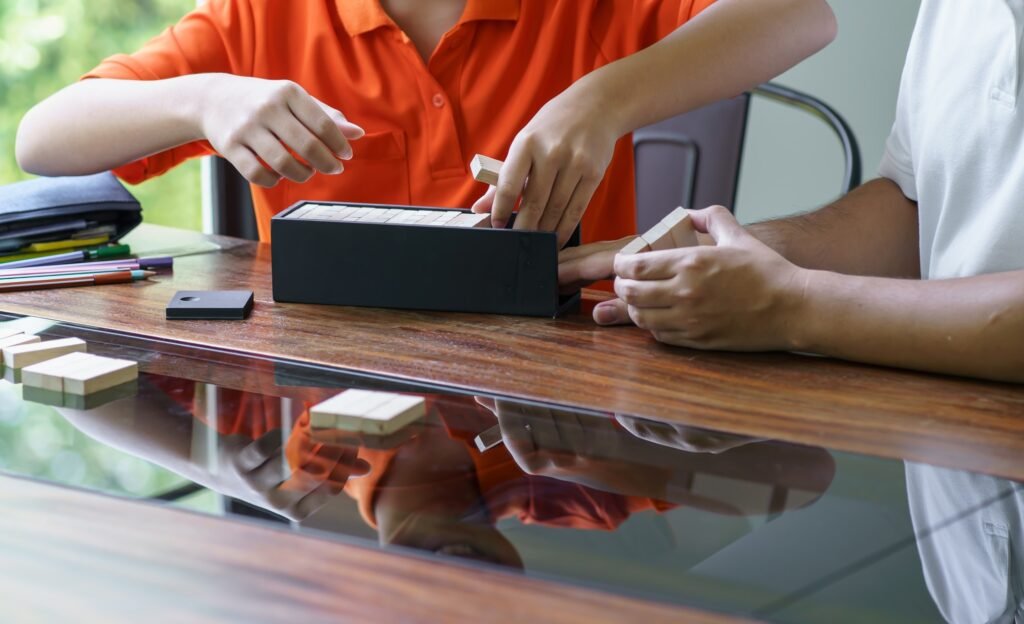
438 100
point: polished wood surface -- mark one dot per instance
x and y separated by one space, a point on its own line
947 421
73 557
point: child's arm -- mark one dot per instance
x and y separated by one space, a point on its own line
562 154
96 125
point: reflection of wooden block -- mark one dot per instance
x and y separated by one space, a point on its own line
637 245
488 439
16 340
471 220
49 375
7 332
97 374
485 169
375 413
32 353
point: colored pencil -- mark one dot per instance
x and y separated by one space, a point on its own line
84 267
111 251
126 264
6 279
46 283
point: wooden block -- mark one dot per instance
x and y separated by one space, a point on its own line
97 374
659 237
49 375
637 245
16 340
681 229
7 332
33 353
471 220
446 217
485 169
364 411
488 439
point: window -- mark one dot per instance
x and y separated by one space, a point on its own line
47 44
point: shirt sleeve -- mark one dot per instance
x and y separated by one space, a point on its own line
628 26
898 160
218 37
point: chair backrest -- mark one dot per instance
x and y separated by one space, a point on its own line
232 202
689 160
693 160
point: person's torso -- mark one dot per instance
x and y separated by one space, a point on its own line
425 120
962 87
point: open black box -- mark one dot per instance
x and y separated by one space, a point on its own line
415 267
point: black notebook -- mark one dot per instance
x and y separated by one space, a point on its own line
50 209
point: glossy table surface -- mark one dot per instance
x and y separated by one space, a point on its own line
774 487
967 424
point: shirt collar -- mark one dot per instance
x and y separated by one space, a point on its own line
363 16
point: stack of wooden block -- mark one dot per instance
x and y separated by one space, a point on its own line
63 366
394 216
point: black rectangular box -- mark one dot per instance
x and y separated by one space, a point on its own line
417 267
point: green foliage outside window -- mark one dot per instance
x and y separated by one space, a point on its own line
48 44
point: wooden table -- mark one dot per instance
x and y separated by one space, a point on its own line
960 423
952 422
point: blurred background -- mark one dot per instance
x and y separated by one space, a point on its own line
791 162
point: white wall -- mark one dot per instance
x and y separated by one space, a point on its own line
792 162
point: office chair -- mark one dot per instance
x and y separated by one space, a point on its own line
692 160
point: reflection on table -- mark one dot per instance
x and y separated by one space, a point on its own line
429 487
970 536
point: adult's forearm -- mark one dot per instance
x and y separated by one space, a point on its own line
731 47
970 326
871 231
100 124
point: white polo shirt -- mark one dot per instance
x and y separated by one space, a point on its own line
957 146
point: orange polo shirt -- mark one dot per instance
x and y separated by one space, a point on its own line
488 77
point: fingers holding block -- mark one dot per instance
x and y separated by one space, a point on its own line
30 353
485 169
364 411
674 231
637 245
680 228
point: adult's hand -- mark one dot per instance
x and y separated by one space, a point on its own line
273 129
739 295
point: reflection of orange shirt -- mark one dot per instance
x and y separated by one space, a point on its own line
507 491
487 78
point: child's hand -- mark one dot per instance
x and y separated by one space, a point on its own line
555 164
273 129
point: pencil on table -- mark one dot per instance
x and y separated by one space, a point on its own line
46 283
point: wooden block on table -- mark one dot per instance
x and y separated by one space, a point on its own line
485 169
488 439
364 411
97 374
471 220
49 375
33 353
